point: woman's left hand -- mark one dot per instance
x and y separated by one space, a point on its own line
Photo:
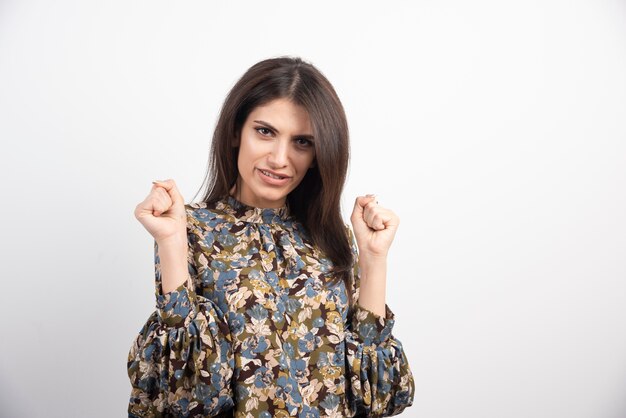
374 226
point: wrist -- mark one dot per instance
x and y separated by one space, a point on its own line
173 242
370 260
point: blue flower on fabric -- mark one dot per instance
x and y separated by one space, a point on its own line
239 263
368 333
226 280
309 342
325 265
289 349
261 345
272 278
278 317
147 352
284 360
281 306
322 360
318 322
257 312
292 305
218 265
203 214
183 404
255 275
309 412
313 287
337 359
253 345
236 323
339 293
263 377
288 389
225 348
209 239
173 298
208 217
298 369
206 278
194 328
215 367
330 401
297 237
224 403
203 391
299 263
386 332
226 238
401 397
148 384
240 390
181 309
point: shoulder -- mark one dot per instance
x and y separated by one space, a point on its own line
204 216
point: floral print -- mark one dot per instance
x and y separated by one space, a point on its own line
257 332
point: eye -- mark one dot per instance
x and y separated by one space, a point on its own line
263 130
304 142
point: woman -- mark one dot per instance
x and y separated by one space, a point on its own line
268 305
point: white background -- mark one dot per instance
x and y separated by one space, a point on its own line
496 131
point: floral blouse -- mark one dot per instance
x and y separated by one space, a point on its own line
256 332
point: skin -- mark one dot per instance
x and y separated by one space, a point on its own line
280 148
273 137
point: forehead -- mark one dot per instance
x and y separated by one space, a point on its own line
282 114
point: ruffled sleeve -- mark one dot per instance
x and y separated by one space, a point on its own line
181 362
379 377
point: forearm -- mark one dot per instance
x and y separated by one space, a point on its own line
173 263
373 277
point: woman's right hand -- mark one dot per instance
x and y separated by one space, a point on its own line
163 213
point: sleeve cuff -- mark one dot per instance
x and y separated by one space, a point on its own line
372 328
176 308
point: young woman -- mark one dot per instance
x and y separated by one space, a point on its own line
267 303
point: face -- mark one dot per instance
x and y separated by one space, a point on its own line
276 140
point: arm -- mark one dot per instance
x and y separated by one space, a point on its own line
181 362
372 273
173 262
379 377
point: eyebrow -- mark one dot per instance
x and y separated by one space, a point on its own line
262 122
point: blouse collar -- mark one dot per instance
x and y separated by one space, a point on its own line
248 213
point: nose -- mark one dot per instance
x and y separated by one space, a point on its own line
279 154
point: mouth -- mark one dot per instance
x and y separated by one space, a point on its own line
273 175
271 179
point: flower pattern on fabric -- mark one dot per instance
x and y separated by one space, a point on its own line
257 332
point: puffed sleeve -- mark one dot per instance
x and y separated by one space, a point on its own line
181 363
379 377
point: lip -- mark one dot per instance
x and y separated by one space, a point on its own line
275 173
272 181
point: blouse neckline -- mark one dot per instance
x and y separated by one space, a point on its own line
255 214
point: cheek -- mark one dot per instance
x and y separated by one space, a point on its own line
246 154
303 165
308 161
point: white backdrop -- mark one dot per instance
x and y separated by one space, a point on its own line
495 130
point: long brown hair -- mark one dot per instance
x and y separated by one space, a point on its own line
316 202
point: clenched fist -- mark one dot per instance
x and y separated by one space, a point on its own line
163 213
374 226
